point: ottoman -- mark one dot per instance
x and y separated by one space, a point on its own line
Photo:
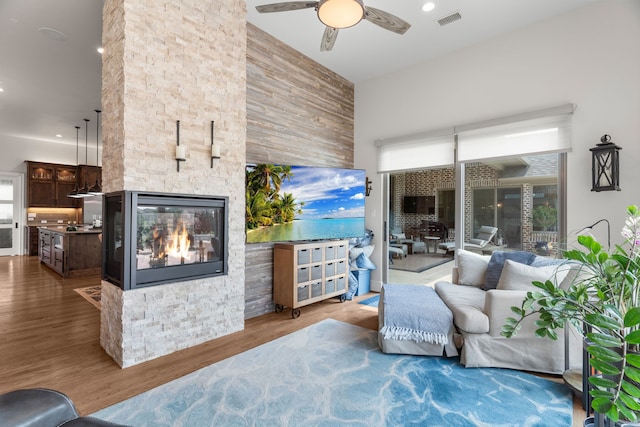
421 340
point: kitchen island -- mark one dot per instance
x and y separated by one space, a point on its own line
70 253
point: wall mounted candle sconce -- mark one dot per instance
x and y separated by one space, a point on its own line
215 149
367 186
605 165
181 152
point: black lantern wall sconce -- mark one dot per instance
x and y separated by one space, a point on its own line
605 165
367 186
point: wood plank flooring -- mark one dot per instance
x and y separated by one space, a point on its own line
49 337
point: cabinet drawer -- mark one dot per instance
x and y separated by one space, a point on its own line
341 283
316 272
303 256
330 269
341 251
45 257
316 289
316 255
330 253
58 257
330 286
303 293
341 267
304 274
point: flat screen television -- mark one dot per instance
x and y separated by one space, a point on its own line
420 204
302 203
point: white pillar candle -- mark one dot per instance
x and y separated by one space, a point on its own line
181 152
215 151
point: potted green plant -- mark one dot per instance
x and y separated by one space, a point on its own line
604 299
544 216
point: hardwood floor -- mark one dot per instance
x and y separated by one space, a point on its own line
49 337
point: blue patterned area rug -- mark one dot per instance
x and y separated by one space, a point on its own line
371 302
333 374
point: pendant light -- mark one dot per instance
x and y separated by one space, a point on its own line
76 188
84 191
96 190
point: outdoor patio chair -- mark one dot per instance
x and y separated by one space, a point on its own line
485 235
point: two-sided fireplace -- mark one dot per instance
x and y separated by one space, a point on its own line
155 238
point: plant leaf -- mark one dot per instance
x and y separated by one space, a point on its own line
632 373
604 354
633 337
624 408
632 318
604 340
602 322
604 367
601 405
630 388
633 359
602 382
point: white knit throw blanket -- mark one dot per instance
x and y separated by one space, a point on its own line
415 313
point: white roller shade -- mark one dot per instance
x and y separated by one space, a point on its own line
516 136
435 149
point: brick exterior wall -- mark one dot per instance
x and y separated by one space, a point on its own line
166 61
477 176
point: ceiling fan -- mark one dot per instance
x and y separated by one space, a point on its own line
337 14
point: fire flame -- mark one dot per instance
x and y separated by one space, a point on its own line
179 243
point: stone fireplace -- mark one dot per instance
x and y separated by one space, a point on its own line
166 61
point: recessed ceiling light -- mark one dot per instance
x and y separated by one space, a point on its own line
100 50
428 7
58 136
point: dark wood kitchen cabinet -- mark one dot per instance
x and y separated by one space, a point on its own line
48 185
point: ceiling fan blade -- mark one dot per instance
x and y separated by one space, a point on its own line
283 7
328 39
386 20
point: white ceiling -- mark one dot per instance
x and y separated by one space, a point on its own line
50 86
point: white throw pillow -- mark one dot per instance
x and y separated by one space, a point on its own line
472 268
519 277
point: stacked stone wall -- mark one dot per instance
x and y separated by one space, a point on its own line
166 61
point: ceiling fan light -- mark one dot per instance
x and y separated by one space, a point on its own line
340 13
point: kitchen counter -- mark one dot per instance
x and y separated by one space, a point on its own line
70 253
81 229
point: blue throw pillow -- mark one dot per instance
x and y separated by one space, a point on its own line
364 262
496 263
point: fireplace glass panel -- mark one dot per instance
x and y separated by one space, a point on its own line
178 235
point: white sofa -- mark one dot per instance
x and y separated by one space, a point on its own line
479 314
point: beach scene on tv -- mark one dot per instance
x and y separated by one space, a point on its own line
297 203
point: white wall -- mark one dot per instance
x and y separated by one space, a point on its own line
590 57
16 150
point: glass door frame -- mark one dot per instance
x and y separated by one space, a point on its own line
17 224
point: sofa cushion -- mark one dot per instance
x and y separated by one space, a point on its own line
519 277
471 268
494 269
467 305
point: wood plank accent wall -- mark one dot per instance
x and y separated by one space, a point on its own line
298 113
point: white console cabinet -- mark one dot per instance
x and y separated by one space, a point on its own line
308 272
